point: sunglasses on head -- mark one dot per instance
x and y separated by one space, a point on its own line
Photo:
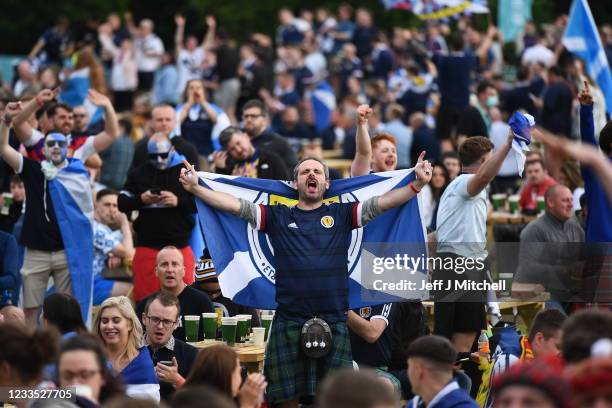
155 156
52 143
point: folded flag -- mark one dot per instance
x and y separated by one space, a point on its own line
244 259
521 125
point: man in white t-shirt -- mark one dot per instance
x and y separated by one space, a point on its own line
538 53
461 235
190 56
149 51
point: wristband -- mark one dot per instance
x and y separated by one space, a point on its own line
413 187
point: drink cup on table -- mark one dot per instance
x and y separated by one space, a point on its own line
210 326
541 204
513 200
192 327
229 327
259 336
499 201
241 328
266 322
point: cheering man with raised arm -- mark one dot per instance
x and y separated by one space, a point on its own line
310 243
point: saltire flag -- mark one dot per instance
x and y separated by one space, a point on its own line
323 102
70 193
243 256
582 39
141 382
75 94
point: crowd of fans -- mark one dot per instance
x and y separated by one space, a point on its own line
131 108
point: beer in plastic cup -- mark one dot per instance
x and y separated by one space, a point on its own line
8 201
513 200
210 325
499 201
241 330
248 318
192 327
259 335
229 327
541 204
266 322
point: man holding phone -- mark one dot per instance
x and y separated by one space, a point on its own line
172 357
165 213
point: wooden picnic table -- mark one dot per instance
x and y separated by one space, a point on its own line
250 355
511 310
332 154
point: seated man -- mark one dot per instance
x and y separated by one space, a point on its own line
207 282
172 357
430 372
538 182
371 337
170 270
551 250
112 247
248 161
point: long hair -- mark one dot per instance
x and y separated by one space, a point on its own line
87 59
63 311
88 342
123 304
437 192
214 367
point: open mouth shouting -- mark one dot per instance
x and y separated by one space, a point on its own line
312 186
390 163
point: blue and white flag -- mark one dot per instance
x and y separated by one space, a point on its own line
581 38
244 258
521 125
139 377
323 102
75 94
73 204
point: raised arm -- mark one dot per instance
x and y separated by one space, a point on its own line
486 44
219 200
209 39
363 152
126 248
179 34
111 125
489 169
9 155
36 49
23 130
398 196
587 126
104 36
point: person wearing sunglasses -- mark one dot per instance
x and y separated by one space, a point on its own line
172 357
165 213
57 231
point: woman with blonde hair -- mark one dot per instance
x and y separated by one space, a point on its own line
119 329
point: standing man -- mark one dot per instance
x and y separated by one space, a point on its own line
169 272
379 154
165 212
161 315
461 236
318 247
57 230
255 117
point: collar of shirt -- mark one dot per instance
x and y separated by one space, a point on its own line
169 345
450 387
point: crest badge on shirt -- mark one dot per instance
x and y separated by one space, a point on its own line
365 312
327 221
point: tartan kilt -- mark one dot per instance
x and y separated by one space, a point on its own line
289 373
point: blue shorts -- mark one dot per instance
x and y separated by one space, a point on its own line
102 289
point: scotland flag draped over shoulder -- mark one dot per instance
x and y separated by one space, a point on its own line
582 39
73 205
244 258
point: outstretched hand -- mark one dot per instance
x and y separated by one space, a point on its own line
423 170
179 20
585 97
188 177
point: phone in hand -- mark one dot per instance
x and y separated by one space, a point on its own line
167 363
156 191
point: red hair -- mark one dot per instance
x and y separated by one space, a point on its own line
380 137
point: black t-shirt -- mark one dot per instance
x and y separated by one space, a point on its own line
275 143
472 123
377 354
193 302
40 229
181 145
185 356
